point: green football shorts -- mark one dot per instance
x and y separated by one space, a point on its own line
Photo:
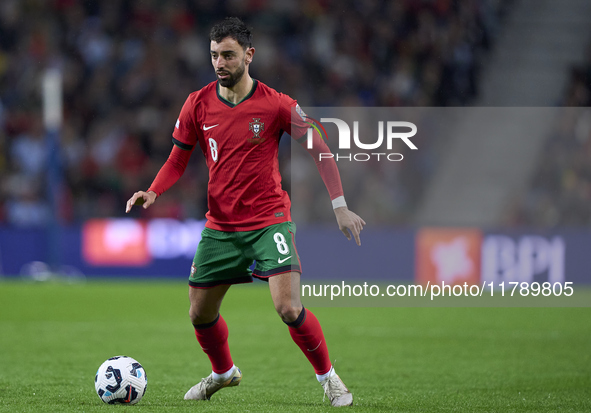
227 257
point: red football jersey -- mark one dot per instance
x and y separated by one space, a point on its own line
240 143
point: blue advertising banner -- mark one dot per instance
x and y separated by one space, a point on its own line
165 248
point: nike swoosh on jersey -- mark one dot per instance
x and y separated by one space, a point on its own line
281 261
209 127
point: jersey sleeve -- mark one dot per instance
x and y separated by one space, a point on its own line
327 167
171 171
185 130
292 118
295 122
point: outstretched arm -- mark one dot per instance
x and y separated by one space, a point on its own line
348 221
171 171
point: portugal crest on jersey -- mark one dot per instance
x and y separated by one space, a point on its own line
256 126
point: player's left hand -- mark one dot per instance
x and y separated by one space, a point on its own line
349 221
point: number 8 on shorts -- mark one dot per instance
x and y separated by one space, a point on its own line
282 246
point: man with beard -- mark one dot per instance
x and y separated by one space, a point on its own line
237 122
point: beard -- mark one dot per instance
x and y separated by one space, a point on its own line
232 78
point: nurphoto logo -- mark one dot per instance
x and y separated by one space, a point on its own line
379 149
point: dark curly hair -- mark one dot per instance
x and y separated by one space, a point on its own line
232 27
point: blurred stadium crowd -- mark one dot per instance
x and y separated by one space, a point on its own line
560 191
128 66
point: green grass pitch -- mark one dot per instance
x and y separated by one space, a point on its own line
54 336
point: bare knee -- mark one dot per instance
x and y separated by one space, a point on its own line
202 316
205 303
288 312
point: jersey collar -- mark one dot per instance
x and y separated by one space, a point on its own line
230 104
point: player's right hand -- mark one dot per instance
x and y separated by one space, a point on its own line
141 198
349 221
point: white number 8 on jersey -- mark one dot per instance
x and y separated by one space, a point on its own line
213 146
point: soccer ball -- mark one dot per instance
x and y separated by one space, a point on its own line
120 380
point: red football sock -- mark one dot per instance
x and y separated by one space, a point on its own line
213 338
307 334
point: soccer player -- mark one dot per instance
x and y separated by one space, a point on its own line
237 122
